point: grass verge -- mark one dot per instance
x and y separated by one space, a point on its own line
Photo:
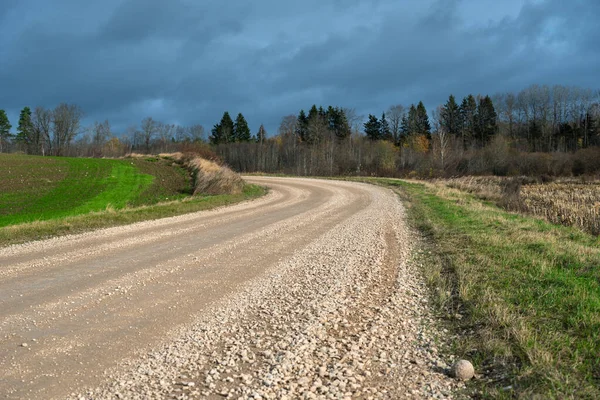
524 293
109 217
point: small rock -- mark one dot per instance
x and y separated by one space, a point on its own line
463 370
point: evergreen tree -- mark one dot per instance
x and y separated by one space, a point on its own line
468 113
422 125
5 126
313 112
302 126
450 117
261 136
410 122
223 131
384 130
241 131
373 128
322 112
25 132
338 123
317 125
486 120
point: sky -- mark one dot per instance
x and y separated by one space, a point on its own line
187 61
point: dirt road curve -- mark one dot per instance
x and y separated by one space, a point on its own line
305 293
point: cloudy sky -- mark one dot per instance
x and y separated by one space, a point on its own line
187 61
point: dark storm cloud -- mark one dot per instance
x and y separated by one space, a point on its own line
188 61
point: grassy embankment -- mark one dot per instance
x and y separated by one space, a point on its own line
48 196
523 293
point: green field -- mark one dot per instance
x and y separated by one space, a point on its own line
522 294
41 188
42 197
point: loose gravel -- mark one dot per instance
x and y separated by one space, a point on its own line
345 317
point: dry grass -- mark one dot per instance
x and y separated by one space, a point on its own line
565 201
209 177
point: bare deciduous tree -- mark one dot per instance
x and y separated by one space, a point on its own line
196 133
441 137
165 134
354 120
42 126
287 126
65 126
100 134
149 127
394 116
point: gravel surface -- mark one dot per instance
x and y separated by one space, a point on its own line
310 294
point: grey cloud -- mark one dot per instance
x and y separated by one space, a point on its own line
188 61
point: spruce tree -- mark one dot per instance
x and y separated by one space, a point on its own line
373 128
302 126
468 112
223 131
405 126
241 131
422 121
25 132
313 112
317 125
450 117
486 120
337 122
5 126
261 136
409 123
322 112
384 130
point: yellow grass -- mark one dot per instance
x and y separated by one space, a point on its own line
210 177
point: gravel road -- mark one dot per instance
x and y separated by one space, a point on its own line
306 293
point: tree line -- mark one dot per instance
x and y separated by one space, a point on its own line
58 132
477 134
550 118
545 130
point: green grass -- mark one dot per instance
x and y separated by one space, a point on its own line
527 293
43 188
42 197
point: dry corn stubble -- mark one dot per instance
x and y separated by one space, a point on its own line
566 201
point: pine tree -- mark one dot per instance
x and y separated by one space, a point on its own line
25 132
373 128
450 117
223 131
5 126
422 121
468 112
261 136
241 131
384 130
302 126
